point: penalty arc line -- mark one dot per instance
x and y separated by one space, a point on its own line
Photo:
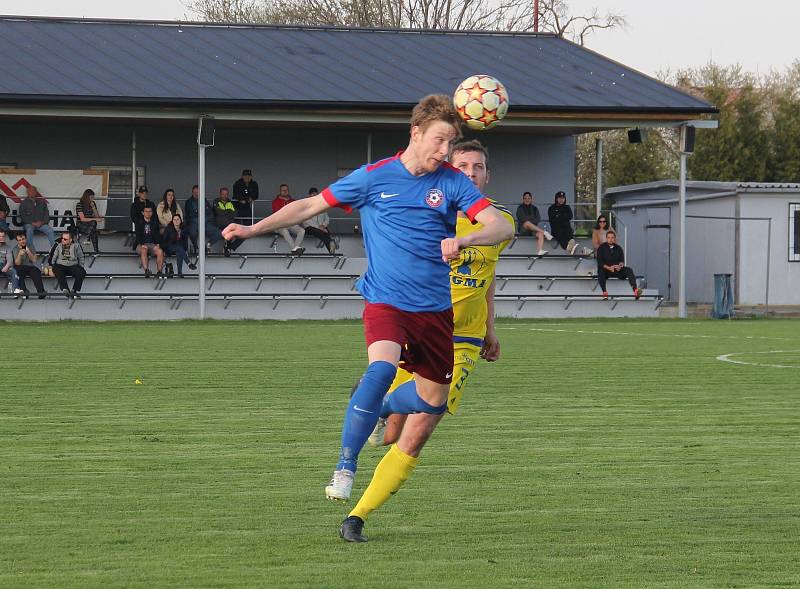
727 358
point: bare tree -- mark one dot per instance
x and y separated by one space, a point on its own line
495 15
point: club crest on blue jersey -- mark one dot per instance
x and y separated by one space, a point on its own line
434 198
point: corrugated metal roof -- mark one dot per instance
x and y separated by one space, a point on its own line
633 191
112 62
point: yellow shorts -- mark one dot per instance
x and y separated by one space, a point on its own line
465 358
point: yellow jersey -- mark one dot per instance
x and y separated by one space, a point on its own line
471 276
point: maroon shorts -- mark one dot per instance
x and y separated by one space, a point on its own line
426 338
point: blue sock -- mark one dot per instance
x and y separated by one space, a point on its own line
405 400
362 412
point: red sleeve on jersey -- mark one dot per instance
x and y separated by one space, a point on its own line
477 208
331 200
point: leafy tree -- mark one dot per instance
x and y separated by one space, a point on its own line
784 159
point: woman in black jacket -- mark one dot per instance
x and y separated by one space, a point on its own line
560 215
176 243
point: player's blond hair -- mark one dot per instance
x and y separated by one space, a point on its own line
435 107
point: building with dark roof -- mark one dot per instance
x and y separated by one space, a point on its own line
301 105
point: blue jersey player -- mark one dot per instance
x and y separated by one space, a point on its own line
408 205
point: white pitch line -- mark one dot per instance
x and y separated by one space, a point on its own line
727 358
675 335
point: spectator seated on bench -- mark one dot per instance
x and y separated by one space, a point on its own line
7 270
611 264
224 215
317 226
192 204
88 217
529 222
176 242
148 239
65 258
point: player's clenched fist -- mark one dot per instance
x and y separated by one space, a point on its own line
451 247
233 231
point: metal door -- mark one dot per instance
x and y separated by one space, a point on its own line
657 262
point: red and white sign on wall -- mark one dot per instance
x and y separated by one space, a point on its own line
62 189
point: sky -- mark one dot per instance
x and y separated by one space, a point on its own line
660 36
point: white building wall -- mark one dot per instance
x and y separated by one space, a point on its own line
710 246
784 276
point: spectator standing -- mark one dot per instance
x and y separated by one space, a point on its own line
7 264
280 201
167 208
25 260
35 216
529 222
213 233
66 258
88 217
560 216
139 203
611 264
245 191
318 226
224 215
176 242
599 232
5 211
148 238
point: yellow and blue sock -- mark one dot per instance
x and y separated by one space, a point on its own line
390 474
363 410
405 401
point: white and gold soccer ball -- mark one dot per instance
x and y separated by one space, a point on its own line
482 101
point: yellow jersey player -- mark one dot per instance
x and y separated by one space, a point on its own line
472 291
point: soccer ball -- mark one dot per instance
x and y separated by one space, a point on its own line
482 101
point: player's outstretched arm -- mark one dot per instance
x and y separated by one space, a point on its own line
496 229
292 214
491 344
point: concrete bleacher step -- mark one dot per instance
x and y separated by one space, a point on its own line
128 263
255 282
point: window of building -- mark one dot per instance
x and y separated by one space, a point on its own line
794 232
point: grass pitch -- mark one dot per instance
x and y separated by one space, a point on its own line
594 454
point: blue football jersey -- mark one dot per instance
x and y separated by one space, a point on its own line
404 218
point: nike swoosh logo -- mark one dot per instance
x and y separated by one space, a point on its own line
357 408
384 195
448 375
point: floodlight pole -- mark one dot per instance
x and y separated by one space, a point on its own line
535 16
201 228
598 145
205 138
682 232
